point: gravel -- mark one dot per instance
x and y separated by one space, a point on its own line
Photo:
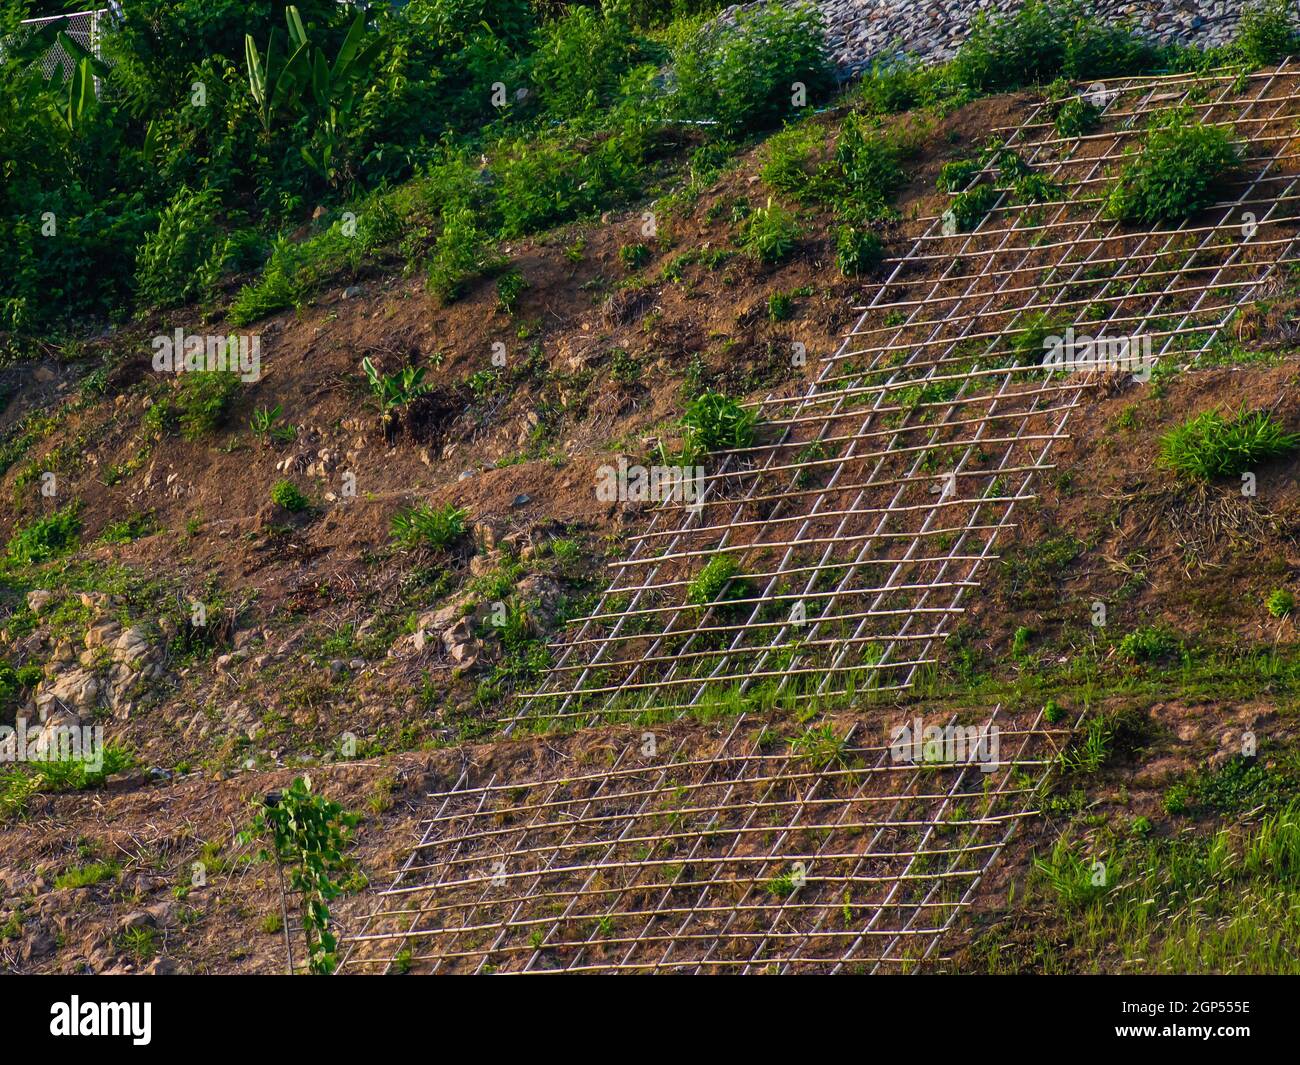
861 31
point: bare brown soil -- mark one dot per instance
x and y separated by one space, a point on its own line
1199 563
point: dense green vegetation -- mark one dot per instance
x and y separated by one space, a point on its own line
219 127
430 132
1221 902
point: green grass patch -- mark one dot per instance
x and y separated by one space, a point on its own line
44 538
426 526
1210 445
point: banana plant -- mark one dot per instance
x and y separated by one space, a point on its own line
81 96
81 99
335 87
275 85
394 392
332 88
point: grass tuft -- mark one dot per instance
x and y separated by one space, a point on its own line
1210 445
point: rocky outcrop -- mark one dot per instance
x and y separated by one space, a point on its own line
454 627
109 671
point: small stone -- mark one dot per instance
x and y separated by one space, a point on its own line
38 599
164 914
37 946
103 632
138 919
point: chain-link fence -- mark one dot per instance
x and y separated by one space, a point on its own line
82 26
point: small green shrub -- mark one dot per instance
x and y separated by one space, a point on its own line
286 494
293 270
715 579
580 60
1075 116
1209 445
770 233
203 399
1020 641
1177 799
510 286
1149 644
857 251
566 552
1179 169
1028 341
541 185
900 84
1267 33
633 256
1043 41
789 157
307 834
1036 188
782 886
1005 52
1280 602
426 526
14 682
866 170
183 259
955 175
274 291
741 77
1010 165
463 252
624 368
969 208
780 306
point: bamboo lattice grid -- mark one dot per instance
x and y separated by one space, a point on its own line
857 527
859 522
733 848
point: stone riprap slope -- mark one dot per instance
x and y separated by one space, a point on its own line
861 31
